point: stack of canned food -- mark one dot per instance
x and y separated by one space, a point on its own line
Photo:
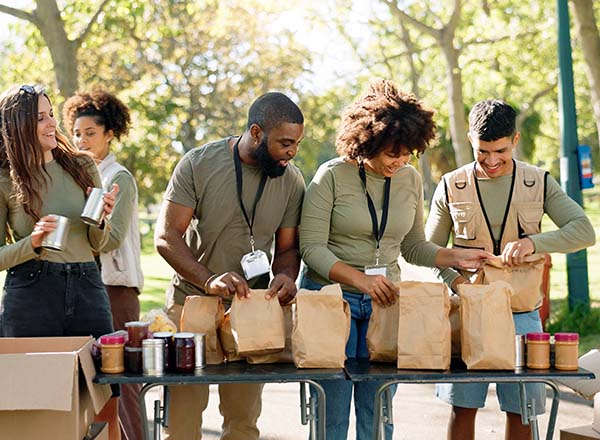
143 352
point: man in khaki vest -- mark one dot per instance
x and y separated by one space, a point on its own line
228 204
496 203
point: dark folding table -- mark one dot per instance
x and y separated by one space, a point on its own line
311 412
359 370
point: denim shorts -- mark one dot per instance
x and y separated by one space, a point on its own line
473 395
42 298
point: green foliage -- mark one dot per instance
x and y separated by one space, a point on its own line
581 319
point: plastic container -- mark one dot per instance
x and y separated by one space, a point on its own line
538 351
566 348
137 331
112 353
185 360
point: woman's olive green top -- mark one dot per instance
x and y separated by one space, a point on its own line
61 196
336 224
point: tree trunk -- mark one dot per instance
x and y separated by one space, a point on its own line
62 50
585 26
458 123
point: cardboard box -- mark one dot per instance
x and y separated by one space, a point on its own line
47 389
98 431
579 433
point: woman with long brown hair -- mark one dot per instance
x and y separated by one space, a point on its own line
47 293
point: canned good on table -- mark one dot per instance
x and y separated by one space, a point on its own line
153 351
93 212
169 356
199 350
57 239
184 352
520 351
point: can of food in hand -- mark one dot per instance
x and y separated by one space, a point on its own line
93 212
153 351
199 341
57 239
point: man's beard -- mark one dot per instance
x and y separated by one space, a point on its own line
266 163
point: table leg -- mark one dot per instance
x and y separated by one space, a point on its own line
157 422
553 409
380 417
317 421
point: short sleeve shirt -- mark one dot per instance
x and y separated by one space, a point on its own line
218 234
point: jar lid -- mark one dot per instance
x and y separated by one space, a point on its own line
133 349
566 337
162 334
153 342
137 324
112 339
183 335
538 336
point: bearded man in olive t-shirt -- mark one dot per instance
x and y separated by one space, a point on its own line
227 201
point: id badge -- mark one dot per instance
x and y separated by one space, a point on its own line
255 264
376 270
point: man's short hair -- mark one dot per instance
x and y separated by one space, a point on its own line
492 119
273 109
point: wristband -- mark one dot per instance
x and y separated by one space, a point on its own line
208 281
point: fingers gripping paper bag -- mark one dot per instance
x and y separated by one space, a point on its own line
423 326
257 324
204 314
321 328
382 334
525 279
285 355
487 326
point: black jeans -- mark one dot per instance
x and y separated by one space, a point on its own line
42 298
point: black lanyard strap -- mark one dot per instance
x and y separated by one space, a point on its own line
259 191
377 231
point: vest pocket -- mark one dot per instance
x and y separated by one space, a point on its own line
462 219
530 217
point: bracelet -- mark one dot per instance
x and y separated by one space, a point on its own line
208 281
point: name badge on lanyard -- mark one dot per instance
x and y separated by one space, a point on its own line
255 263
378 230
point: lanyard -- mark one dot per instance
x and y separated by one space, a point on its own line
259 191
377 231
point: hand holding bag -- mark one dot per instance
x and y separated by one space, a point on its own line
204 314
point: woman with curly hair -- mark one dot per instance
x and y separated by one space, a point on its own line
47 293
347 238
94 118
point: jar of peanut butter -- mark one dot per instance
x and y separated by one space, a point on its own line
538 350
112 353
566 348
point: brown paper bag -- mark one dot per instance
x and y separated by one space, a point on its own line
487 326
227 340
257 324
321 328
285 355
455 325
382 334
423 326
204 314
525 279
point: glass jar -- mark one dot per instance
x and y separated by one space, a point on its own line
137 331
169 357
112 353
185 361
133 360
566 347
538 350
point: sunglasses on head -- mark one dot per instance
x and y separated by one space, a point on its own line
30 90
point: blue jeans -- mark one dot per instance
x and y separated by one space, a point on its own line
339 392
42 298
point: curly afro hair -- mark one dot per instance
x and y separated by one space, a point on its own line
382 117
108 111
